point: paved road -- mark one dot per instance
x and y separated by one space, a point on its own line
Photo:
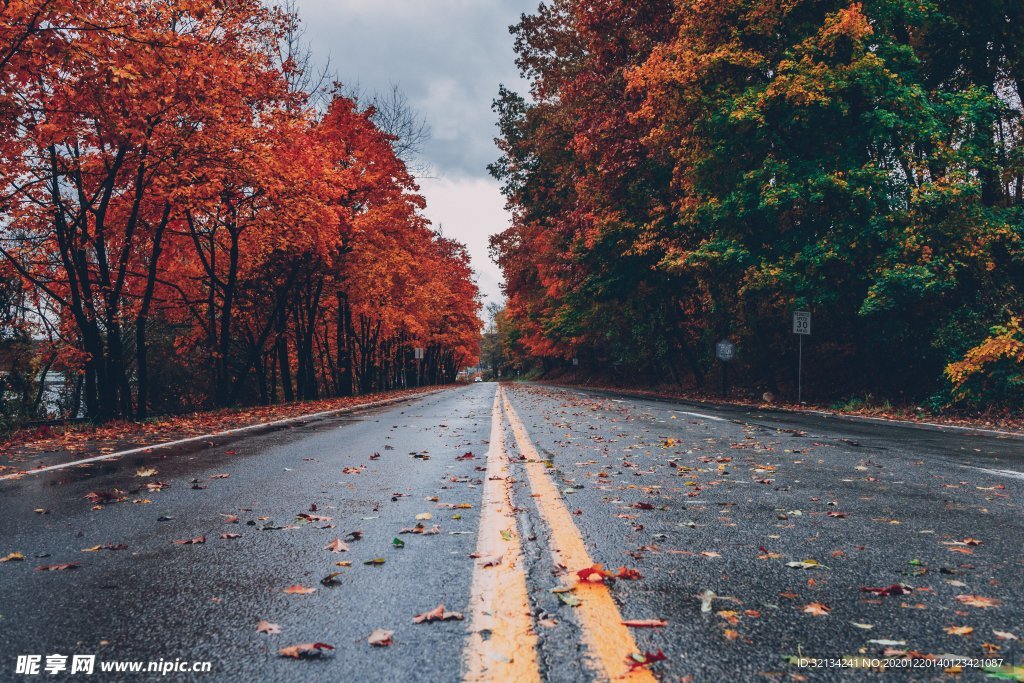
709 506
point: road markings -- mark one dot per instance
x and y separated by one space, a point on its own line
608 641
502 645
1004 473
702 416
227 432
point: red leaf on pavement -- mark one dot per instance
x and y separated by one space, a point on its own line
638 659
645 623
628 574
299 590
466 456
642 506
595 574
228 537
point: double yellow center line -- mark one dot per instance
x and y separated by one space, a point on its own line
502 644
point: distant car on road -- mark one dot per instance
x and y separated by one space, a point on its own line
478 379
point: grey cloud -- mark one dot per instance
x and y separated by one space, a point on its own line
447 56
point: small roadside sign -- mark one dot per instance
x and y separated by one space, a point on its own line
801 322
725 351
418 351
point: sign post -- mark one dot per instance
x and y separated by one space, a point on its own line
418 354
725 351
801 328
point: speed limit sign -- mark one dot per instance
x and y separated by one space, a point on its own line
801 322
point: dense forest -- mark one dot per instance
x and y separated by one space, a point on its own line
190 217
686 171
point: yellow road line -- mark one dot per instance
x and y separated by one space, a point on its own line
502 645
608 641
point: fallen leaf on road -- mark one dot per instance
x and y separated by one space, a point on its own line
423 516
642 659
267 627
229 519
492 560
380 638
628 574
145 472
228 537
594 574
569 599
108 546
397 543
978 601
336 546
706 598
376 561
806 564
959 630
308 518
299 590
56 567
1004 635
866 627
331 580
436 614
645 623
304 650
192 541
13 557
1006 673
99 497
816 609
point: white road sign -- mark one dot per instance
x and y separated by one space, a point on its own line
801 322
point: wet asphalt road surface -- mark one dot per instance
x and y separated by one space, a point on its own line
696 499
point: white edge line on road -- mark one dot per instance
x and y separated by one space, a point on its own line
823 413
701 415
1005 473
227 432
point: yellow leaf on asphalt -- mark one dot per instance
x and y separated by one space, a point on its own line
959 630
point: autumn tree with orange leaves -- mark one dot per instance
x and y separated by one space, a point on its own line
194 230
688 171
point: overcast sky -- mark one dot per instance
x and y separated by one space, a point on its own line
448 57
